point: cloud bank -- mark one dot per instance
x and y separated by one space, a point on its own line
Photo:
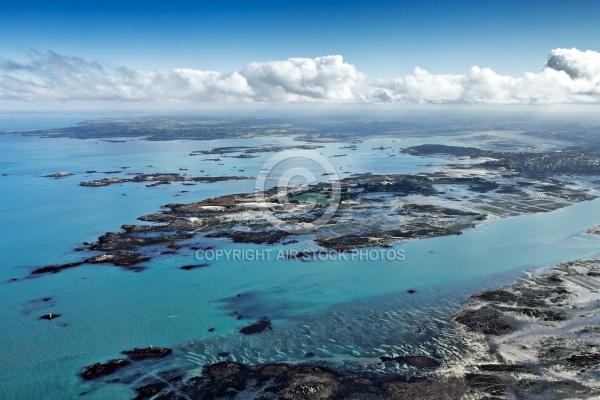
568 76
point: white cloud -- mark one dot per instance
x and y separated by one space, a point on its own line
568 76
304 79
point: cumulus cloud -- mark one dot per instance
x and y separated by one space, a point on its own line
304 79
568 76
50 76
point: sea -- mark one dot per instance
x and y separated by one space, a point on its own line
344 313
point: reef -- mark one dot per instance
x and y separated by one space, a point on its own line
259 326
147 352
280 381
161 179
125 260
100 370
58 175
369 210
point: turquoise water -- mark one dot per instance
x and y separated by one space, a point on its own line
106 309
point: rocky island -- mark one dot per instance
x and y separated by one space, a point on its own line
373 211
161 179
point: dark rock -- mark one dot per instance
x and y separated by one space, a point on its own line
227 380
584 360
545 314
121 259
194 266
147 352
504 368
257 327
50 316
310 383
53 269
274 370
426 389
99 370
150 390
224 380
310 354
411 291
128 260
496 296
486 320
268 237
490 384
413 361
225 369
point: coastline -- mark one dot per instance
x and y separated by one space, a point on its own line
437 202
535 339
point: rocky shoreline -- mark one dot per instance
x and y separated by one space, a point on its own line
535 339
371 210
161 179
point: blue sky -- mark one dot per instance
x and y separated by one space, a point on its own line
275 51
382 38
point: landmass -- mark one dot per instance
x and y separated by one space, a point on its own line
491 128
374 210
248 151
538 337
162 179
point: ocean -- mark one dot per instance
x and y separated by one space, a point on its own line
345 311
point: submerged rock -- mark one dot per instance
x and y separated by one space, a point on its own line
150 390
99 370
257 327
194 266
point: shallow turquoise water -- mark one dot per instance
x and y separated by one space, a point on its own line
108 310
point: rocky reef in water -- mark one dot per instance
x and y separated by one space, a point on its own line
371 210
110 367
161 179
